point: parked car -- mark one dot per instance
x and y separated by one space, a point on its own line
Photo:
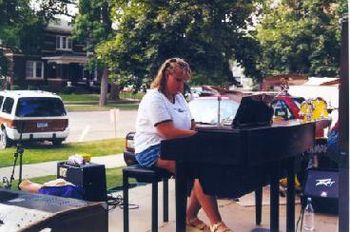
32 115
205 111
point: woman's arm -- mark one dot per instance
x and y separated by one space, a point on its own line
168 131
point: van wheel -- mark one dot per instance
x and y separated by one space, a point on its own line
4 140
57 142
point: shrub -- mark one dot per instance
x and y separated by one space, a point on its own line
67 90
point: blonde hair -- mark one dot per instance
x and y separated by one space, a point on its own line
170 66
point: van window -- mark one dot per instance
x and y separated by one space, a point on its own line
8 104
40 107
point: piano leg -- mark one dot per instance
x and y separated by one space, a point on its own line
274 198
291 196
181 197
258 204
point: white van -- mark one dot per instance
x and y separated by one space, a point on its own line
32 115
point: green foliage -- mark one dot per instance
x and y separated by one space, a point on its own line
301 37
207 34
93 25
96 107
79 97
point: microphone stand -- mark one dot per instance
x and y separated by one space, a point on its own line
19 152
219 109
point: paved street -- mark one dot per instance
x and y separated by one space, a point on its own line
94 125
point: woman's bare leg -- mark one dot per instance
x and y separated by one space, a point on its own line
193 206
28 186
198 198
168 165
208 203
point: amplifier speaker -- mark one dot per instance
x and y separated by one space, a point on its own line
323 188
90 177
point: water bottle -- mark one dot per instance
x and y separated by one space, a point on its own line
308 222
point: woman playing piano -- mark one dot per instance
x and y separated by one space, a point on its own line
164 114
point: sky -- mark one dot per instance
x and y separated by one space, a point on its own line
72 9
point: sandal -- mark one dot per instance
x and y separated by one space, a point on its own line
219 227
197 223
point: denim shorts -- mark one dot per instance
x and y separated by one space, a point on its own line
148 157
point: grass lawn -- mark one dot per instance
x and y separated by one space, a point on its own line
80 97
96 107
89 102
37 153
114 179
96 97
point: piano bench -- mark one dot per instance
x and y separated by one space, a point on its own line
146 175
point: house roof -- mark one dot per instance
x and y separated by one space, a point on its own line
277 80
322 81
66 59
59 25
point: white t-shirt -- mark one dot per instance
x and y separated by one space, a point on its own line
154 109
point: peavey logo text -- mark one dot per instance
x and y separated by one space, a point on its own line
326 182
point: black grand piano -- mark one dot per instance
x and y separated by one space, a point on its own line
233 162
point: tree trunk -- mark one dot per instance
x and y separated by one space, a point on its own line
114 94
104 87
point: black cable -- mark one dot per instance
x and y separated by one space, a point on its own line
113 202
301 217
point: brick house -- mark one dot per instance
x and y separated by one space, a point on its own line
61 62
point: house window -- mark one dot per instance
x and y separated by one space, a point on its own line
64 43
34 69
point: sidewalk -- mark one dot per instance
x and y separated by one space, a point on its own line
50 168
239 216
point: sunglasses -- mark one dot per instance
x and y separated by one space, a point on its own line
181 64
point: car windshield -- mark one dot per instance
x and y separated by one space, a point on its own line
205 110
40 107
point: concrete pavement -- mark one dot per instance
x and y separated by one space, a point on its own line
240 216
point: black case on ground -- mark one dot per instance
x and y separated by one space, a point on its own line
90 177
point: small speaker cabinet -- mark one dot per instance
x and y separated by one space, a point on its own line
90 177
323 188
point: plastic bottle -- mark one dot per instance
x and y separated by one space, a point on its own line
308 222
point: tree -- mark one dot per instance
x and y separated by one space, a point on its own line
208 34
301 37
93 25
